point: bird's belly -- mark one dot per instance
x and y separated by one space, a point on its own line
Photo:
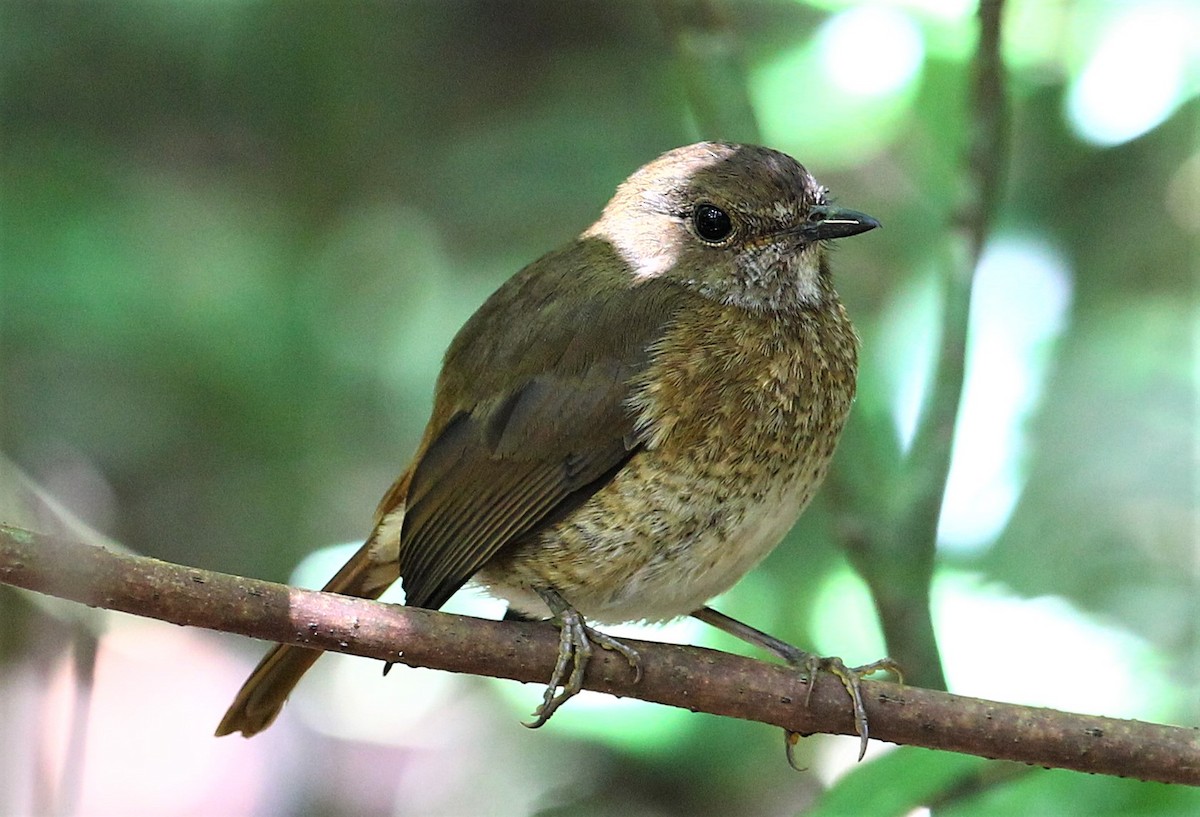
684 546
671 585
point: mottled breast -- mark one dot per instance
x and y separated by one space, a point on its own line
739 414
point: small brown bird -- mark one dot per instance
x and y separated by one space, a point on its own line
629 424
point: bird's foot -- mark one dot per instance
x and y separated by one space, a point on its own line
851 678
574 650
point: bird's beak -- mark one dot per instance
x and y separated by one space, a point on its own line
825 222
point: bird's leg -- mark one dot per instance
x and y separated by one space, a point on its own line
574 649
851 677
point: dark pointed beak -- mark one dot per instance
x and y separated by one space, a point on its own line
826 222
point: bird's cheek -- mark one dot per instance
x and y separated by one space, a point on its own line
802 259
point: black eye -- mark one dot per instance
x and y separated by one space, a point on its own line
712 223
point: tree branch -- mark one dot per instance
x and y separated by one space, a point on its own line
692 678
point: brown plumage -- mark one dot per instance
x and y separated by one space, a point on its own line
631 422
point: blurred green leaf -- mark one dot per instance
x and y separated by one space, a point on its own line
896 783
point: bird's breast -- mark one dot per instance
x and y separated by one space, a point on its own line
738 415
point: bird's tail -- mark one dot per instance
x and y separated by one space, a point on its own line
372 569
262 697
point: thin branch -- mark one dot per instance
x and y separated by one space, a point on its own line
985 163
692 678
896 557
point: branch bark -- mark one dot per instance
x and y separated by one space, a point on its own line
688 677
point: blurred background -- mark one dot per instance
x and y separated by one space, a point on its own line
236 238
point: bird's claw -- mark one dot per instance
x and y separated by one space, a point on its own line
574 650
851 678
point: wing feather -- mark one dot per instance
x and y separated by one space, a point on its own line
531 415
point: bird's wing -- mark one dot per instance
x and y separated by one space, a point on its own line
531 415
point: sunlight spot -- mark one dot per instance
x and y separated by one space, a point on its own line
1135 76
870 51
908 335
1000 646
1019 307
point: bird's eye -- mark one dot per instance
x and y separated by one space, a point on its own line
712 223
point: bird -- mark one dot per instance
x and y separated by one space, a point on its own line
627 425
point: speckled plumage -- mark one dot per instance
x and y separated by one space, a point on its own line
630 423
743 412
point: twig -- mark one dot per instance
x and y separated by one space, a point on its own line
692 678
896 555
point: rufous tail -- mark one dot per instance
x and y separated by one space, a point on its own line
368 573
262 697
